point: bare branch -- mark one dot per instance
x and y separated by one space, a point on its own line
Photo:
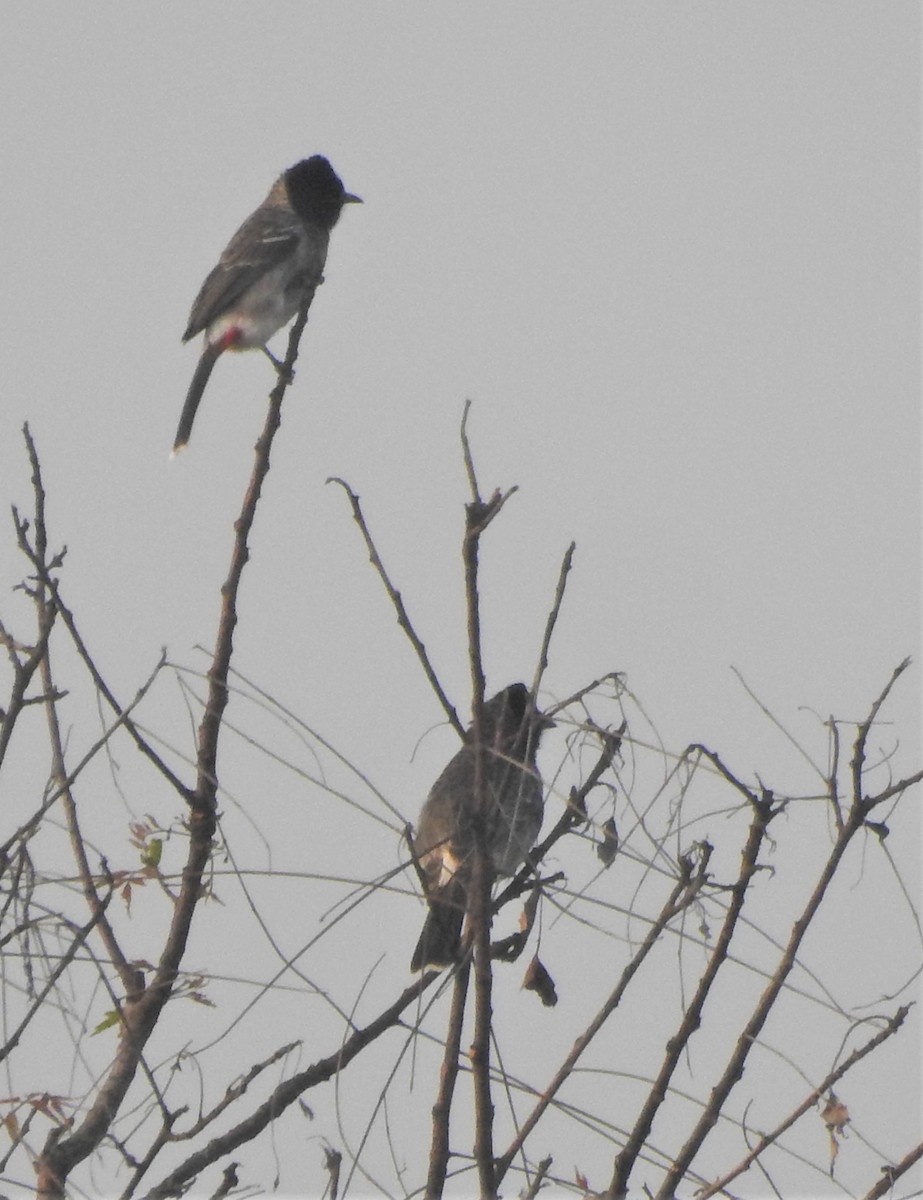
862 736
681 895
132 980
28 827
732 779
403 619
228 1182
626 1158
773 719
141 1011
833 785
60 967
477 517
893 1172
894 1023
287 1093
466 451
55 605
442 1108
538 1178
23 672
575 812
566 563
751 1030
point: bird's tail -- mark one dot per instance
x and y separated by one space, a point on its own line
206 363
440 941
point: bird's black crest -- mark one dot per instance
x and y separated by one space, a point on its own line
315 191
512 703
505 714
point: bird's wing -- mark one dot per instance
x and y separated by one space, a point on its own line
264 241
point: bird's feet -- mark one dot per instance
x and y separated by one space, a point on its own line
282 370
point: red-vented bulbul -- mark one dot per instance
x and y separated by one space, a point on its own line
444 840
268 269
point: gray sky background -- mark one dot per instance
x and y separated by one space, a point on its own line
670 252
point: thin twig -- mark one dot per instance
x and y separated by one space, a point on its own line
36 556
28 827
729 775
403 619
132 979
734 1068
60 967
286 1093
859 749
680 896
228 1181
609 677
692 1016
774 720
893 1172
538 1178
575 812
23 671
894 1023
540 669
833 784
466 452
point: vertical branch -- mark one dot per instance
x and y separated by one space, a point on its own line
132 979
442 1109
24 667
566 563
857 764
481 878
478 515
37 553
143 1007
479 890
834 772
203 804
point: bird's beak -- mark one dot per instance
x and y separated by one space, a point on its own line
349 198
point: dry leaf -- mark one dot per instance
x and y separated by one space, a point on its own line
607 849
835 1115
537 979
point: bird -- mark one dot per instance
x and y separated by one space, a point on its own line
444 840
268 269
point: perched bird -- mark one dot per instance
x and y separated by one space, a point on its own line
510 732
268 269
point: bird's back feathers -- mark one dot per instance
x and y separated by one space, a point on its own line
267 238
513 793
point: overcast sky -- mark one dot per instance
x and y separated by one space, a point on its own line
669 251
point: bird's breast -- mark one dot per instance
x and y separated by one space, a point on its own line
271 300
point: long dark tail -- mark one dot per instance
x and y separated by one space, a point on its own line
440 941
206 363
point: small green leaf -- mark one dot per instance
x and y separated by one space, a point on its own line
152 852
111 1018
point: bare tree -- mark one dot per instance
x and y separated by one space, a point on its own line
692 963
